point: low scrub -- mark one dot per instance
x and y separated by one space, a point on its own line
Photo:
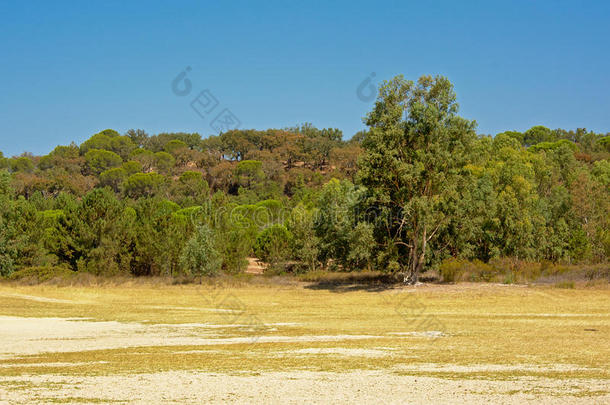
41 274
509 271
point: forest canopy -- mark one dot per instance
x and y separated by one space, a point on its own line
418 187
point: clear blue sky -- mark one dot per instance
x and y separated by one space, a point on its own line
70 69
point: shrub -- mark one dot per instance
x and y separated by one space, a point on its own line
199 257
41 274
273 244
452 270
565 284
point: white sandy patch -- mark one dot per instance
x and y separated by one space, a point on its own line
218 310
371 387
487 368
37 298
519 315
54 364
26 336
428 333
222 326
342 351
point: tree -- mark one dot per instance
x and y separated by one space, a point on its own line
8 251
273 244
163 161
304 240
413 156
249 173
174 145
145 157
113 178
95 234
190 189
122 146
101 140
99 160
537 134
3 161
132 167
160 236
22 164
200 257
144 184
138 136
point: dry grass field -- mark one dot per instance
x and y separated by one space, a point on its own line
294 343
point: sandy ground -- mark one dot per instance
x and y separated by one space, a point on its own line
294 388
24 336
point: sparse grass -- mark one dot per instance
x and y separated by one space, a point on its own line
565 284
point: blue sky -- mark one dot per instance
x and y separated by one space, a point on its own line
71 69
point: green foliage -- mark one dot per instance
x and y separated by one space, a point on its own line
412 166
22 164
109 140
132 167
342 241
305 243
547 146
199 257
273 244
249 173
144 185
418 189
138 136
160 234
65 152
41 274
101 140
163 161
601 171
3 161
191 189
537 134
113 178
605 143
145 157
174 145
99 160
94 235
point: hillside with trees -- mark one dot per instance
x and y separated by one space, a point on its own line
417 190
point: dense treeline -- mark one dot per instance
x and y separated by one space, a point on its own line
418 187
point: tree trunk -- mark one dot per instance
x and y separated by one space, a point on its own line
416 259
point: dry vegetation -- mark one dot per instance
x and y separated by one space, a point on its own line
140 341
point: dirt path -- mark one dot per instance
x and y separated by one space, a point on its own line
255 266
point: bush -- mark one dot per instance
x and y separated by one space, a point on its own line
452 270
273 244
41 274
455 270
199 257
565 284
